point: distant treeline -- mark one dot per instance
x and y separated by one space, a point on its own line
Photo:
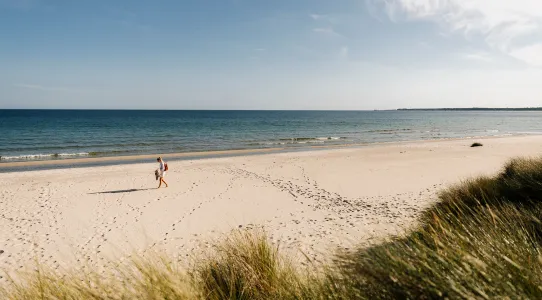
476 109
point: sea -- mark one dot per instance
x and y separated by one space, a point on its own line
30 135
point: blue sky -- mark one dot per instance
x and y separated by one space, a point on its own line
296 54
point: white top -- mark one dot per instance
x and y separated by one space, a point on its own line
162 170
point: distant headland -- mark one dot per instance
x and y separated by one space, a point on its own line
476 109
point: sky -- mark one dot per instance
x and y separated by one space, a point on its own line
261 54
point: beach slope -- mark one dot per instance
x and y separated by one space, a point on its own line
312 201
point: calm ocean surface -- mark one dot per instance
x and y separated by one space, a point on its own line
60 134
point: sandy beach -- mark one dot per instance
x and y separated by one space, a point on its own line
313 201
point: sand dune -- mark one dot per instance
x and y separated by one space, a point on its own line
311 201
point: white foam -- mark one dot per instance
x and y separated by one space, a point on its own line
41 156
329 138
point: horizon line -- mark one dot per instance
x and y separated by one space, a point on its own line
199 109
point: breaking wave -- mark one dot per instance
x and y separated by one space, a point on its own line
43 156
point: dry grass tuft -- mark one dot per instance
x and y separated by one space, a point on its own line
247 266
141 278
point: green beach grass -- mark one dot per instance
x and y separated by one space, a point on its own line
482 240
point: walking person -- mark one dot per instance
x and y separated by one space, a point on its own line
162 171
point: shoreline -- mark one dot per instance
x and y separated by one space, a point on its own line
129 159
37 165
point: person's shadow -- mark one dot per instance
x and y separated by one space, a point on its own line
120 191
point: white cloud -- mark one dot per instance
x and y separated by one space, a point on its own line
326 31
323 18
317 16
530 54
323 30
477 56
46 88
511 27
343 53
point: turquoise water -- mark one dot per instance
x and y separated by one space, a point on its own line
62 134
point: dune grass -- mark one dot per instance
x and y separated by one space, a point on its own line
482 240
244 266
141 278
